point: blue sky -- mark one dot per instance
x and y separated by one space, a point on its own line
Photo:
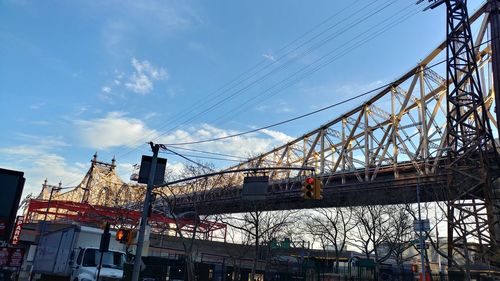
108 76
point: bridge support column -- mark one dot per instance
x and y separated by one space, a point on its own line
494 6
496 217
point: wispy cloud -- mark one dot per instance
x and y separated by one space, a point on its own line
118 129
280 107
141 80
121 32
269 57
106 89
42 143
351 89
203 50
38 160
114 130
241 146
150 115
36 106
279 136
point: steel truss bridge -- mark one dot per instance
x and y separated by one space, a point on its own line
58 211
378 152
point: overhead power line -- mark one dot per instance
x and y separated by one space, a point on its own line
297 117
315 111
204 157
212 153
305 71
186 158
365 17
281 67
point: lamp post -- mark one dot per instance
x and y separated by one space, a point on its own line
420 237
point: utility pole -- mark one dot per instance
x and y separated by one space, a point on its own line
145 209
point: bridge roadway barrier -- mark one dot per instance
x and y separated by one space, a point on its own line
340 190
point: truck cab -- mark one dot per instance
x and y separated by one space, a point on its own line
85 266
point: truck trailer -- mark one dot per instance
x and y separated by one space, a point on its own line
72 254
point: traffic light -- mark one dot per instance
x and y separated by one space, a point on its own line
318 189
125 236
308 188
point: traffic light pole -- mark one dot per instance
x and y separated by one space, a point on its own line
145 208
103 247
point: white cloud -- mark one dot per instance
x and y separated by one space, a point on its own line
141 80
175 170
39 163
279 136
125 170
37 105
117 129
269 57
262 108
242 146
106 89
150 115
113 130
280 107
41 143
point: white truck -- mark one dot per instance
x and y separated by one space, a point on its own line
73 254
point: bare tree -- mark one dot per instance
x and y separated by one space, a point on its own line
331 227
437 211
243 248
399 240
371 233
260 227
191 191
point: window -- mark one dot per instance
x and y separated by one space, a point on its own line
80 256
109 259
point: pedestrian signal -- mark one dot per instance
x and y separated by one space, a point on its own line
124 236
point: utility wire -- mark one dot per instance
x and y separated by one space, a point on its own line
284 66
291 119
205 157
268 74
300 116
306 73
212 153
315 111
164 146
186 158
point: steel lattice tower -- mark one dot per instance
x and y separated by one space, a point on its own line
471 212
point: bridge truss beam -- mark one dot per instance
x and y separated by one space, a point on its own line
402 131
